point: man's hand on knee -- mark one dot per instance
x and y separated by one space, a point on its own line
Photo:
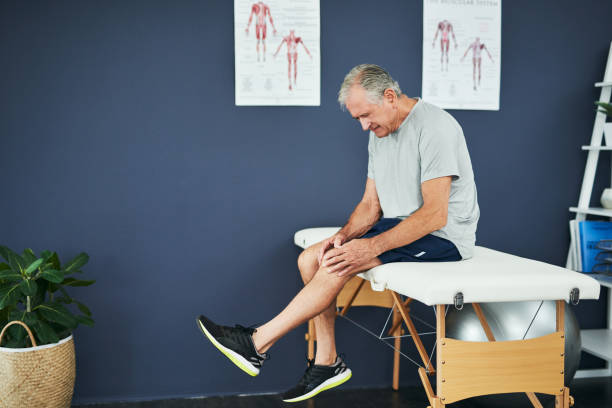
350 258
335 241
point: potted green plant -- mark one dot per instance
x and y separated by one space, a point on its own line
606 108
37 362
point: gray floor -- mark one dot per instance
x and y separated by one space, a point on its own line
591 393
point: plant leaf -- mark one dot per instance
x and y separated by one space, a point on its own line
52 275
10 276
77 282
46 255
4 266
32 321
55 261
606 108
53 287
29 256
57 313
84 309
28 287
5 252
61 289
16 332
16 262
17 314
4 315
87 321
45 332
33 266
9 296
78 261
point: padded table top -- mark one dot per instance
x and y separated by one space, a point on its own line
489 276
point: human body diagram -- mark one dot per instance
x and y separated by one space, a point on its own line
292 42
477 47
260 10
445 28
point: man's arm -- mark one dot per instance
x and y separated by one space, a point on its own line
365 214
429 218
432 216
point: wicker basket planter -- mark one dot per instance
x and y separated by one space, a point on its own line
38 376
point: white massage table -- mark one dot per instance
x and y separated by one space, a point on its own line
466 369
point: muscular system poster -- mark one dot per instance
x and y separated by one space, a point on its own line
462 53
277 58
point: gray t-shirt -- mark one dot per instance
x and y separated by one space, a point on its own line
428 144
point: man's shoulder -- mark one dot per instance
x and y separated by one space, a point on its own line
433 117
429 109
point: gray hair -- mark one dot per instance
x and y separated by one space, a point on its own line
373 79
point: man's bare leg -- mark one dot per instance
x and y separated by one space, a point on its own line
324 322
316 297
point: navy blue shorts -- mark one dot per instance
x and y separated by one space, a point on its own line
430 248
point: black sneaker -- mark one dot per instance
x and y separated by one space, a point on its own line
236 343
318 378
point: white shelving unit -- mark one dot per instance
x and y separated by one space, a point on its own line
597 342
603 212
596 148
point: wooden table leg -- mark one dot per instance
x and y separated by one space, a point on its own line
398 343
563 400
413 332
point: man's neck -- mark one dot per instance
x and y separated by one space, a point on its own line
404 107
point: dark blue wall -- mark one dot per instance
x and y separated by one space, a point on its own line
119 137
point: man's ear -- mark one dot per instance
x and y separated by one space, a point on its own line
390 96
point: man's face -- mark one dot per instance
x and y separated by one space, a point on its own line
379 119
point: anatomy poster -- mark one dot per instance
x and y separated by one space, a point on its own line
277 52
462 53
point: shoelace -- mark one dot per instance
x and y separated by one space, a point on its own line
308 374
238 332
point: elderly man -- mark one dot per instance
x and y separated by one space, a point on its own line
419 179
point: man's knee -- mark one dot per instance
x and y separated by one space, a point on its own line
308 262
332 279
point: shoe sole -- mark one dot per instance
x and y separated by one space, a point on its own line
325 385
234 357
